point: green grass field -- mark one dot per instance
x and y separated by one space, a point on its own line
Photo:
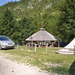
49 61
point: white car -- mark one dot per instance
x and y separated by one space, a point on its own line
6 43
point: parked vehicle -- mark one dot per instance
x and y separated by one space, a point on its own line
6 43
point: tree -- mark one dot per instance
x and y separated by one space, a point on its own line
26 28
66 24
7 24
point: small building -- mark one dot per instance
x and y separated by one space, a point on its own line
42 37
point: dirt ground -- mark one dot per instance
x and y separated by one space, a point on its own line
8 67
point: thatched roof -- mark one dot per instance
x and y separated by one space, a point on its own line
42 35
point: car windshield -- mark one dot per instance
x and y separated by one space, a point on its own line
3 38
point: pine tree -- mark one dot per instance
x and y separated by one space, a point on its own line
26 28
7 24
66 25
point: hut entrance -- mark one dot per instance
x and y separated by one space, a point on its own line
30 46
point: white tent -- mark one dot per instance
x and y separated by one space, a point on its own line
69 49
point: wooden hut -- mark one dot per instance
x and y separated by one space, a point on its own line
42 36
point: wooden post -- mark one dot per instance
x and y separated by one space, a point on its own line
35 47
46 48
17 46
58 44
26 46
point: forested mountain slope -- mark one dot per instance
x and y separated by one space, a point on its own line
28 16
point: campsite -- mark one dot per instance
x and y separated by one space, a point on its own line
36 28
49 62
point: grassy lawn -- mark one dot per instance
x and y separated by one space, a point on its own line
49 61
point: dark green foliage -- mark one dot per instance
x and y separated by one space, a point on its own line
26 17
66 25
26 28
7 23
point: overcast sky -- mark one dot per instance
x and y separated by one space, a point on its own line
2 2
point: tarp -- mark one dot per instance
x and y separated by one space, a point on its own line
62 44
68 49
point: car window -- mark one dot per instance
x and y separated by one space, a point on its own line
3 38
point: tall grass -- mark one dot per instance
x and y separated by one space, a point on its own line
49 61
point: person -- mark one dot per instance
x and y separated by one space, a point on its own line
49 44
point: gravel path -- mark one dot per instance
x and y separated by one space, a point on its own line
8 67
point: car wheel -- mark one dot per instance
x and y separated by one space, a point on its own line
0 47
